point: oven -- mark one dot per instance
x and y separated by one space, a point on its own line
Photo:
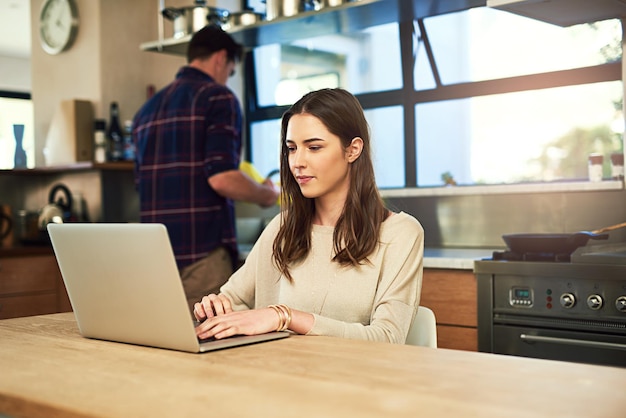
571 309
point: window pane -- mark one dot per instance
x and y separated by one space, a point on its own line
483 43
386 125
265 145
541 135
16 112
358 62
387 133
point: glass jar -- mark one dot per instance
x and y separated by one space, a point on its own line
617 166
595 167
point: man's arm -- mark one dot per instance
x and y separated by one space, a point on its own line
237 185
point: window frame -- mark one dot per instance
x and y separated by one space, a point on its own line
408 97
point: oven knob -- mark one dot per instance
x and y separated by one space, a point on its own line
620 303
568 300
594 302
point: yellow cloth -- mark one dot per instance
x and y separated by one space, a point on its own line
254 174
251 170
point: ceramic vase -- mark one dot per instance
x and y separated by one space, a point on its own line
20 154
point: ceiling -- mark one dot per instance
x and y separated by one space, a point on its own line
15 35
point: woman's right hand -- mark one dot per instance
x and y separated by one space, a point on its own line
212 305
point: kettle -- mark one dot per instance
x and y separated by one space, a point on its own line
56 211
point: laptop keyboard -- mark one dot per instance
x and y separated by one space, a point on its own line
202 340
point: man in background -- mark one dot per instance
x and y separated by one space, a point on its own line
188 141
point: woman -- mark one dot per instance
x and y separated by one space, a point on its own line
335 261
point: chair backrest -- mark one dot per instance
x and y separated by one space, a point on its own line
423 331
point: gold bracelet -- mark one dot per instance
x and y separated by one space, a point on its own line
281 317
287 312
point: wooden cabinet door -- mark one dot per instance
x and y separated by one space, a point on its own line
31 285
451 294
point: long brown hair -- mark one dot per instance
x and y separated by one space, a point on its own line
357 232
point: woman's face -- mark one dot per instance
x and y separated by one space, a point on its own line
317 159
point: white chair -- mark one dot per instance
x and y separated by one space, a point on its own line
423 331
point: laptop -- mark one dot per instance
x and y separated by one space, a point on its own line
124 286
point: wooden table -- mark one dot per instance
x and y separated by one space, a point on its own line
48 370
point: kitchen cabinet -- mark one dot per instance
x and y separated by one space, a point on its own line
451 294
31 284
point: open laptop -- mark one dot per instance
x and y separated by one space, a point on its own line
124 286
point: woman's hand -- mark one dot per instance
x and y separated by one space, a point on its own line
212 305
252 322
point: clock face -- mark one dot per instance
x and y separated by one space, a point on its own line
58 25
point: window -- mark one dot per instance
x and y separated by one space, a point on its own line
16 124
537 134
541 135
482 96
485 44
266 145
387 145
357 62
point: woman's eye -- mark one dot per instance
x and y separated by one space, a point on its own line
315 147
291 149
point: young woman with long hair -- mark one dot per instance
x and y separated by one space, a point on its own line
335 261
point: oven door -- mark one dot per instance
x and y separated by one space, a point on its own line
553 344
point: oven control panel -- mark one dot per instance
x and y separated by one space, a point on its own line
521 297
566 297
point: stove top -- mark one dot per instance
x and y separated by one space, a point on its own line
601 254
614 253
508 255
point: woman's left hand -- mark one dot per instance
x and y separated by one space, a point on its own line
251 322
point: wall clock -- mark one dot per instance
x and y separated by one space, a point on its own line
58 25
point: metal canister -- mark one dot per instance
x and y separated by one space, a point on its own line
282 8
27 226
333 3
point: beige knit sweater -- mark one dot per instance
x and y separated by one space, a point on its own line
376 301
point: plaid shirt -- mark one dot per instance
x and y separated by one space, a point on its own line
184 134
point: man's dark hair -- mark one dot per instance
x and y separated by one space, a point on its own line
211 39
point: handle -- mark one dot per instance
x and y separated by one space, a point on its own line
272 173
570 341
67 206
609 228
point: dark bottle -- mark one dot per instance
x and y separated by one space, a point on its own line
115 135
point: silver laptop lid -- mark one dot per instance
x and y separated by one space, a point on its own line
123 284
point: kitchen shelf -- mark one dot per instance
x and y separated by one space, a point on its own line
115 166
79 166
348 17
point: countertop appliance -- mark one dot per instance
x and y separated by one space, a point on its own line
555 306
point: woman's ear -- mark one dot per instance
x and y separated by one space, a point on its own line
354 149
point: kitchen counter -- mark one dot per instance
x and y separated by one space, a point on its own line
454 258
440 258
443 258
297 376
